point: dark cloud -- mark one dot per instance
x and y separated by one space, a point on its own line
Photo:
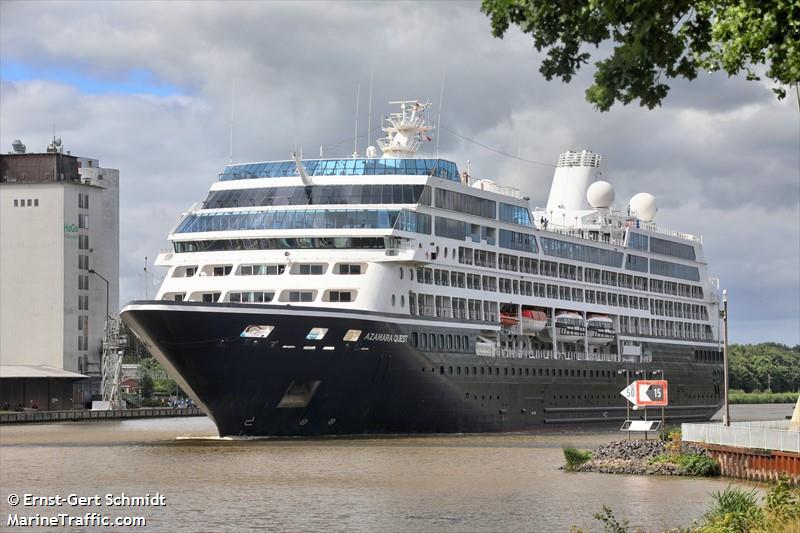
721 155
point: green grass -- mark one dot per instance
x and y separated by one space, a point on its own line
739 396
575 457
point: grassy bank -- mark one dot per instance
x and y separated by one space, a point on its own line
734 510
739 396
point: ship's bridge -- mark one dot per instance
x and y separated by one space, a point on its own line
439 168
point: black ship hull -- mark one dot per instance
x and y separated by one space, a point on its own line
391 380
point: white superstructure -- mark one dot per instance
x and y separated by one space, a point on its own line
410 236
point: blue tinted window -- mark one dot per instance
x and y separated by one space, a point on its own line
344 167
581 252
674 270
637 263
517 241
637 241
515 214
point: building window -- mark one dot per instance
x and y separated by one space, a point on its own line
30 202
83 221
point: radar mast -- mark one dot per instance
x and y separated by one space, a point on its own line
405 130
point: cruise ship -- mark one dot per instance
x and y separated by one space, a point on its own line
392 294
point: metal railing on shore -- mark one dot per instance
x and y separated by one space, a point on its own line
772 435
115 414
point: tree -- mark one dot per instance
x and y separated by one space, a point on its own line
657 39
146 386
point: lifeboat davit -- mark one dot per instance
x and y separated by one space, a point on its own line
570 327
533 322
508 320
601 329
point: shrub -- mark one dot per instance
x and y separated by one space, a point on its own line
734 510
697 464
575 457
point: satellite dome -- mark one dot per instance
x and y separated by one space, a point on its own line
644 205
600 194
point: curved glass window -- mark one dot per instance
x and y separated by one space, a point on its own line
290 243
320 195
439 168
451 228
515 214
581 252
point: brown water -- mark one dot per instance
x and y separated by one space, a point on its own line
440 483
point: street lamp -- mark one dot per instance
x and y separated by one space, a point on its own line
726 418
92 271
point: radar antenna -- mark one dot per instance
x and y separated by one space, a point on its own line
405 130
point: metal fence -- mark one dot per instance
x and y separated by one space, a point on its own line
760 435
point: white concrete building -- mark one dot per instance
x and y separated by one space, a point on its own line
59 232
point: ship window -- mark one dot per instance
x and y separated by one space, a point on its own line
35 202
340 296
402 301
352 335
441 341
179 296
301 296
29 202
513 372
222 270
449 342
191 271
450 370
458 370
317 334
350 269
496 371
16 203
483 371
394 300
210 296
310 269
441 370
505 371
401 272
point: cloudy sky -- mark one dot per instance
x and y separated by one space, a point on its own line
146 88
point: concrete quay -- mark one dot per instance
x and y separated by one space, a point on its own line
29 417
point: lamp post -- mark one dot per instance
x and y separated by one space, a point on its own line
92 271
726 418
627 403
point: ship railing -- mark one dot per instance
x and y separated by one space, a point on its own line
583 233
652 227
515 353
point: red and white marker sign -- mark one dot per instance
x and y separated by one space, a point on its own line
645 393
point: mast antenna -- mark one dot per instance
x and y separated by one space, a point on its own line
439 118
355 140
369 113
233 96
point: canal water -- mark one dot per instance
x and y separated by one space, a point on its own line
439 483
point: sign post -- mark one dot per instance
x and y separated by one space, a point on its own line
643 393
